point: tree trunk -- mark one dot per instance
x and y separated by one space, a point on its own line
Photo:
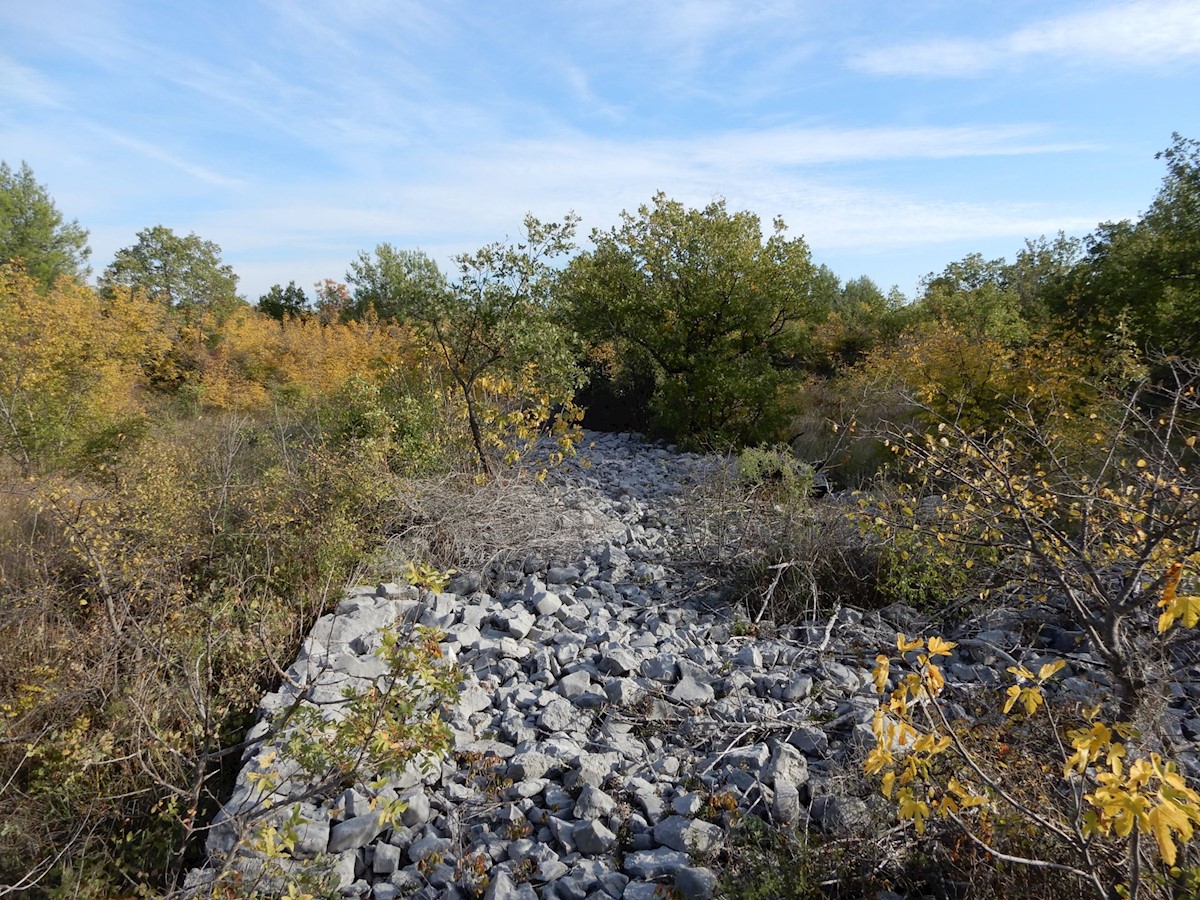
476 434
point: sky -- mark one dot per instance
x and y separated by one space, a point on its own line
894 137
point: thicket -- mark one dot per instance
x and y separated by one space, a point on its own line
186 486
186 483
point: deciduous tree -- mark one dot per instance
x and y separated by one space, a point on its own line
719 312
184 273
396 284
285 302
494 333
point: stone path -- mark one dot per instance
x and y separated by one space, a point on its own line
609 722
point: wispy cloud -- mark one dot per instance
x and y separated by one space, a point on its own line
463 199
22 86
1135 35
161 155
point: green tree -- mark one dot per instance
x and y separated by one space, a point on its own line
1144 276
32 229
1040 273
493 324
394 283
974 295
859 317
284 302
718 313
185 273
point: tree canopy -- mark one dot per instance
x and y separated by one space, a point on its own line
394 283
1145 275
494 323
32 230
283 302
715 311
185 273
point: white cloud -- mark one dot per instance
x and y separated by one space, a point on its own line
1137 35
158 154
22 86
461 200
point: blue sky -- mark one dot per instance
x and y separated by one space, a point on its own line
895 137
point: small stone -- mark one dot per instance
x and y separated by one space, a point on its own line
640 890
809 740
355 833
623 691
647 865
785 807
561 575
593 803
593 838
502 887
417 811
473 699
842 816
660 668
798 688
387 859
547 604
688 804
788 764
419 850
573 685
695 883
530 765
689 690
559 715
464 583
342 871
688 835
617 662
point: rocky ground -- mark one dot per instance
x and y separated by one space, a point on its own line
612 714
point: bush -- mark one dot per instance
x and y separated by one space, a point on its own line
149 615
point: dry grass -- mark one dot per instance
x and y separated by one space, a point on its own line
790 558
455 522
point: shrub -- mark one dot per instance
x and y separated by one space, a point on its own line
161 606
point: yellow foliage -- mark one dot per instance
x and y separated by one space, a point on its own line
1147 795
70 367
257 357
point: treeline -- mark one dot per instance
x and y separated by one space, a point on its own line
188 479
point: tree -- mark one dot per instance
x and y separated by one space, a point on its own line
333 301
70 369
32 229
493 326
184 273
1145 275
284 302
859 317
394 283
718 312
975 296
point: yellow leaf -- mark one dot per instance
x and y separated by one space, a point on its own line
903 644
1049 669
1162 833
1013 693
940 647
880 674
889 781
1033 699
